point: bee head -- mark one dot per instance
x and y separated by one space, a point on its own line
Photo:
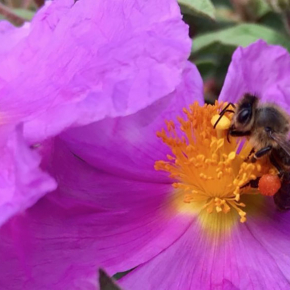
244 117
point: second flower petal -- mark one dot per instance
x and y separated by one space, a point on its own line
260 69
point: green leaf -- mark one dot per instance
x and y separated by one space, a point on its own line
239 35
262 8
200 7
206 65
24 13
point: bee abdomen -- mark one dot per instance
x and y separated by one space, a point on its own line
282 197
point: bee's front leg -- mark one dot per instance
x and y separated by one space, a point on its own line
277 166
260 153
252 183
235 133
248 157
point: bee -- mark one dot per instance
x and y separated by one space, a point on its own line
267 127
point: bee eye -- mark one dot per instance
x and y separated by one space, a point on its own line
243 116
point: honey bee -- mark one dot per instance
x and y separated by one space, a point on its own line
266 126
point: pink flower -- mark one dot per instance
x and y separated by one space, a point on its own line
89 62
70 67
22 182
112 208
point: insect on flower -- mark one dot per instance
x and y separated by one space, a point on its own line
267 127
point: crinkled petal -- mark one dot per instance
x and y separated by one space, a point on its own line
128 146
20 45
239 260
10 54
260 69
99 60
93 219
10 36
21 180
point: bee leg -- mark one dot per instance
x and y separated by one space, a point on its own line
251 152
260 153
235 133
252 183
277 166
228 136
282 197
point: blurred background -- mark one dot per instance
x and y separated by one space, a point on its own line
217 27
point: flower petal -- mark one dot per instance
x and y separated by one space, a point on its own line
21 45
22 182
129 146
118 60
235 261
260 69
271 228
93 219
11 36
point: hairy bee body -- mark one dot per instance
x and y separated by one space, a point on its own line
282 197
267 127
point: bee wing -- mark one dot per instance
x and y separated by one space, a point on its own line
284 144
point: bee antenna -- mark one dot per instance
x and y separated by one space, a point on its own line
223 111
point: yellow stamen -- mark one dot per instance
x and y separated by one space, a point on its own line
208 170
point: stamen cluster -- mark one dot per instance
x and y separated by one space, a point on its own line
208 170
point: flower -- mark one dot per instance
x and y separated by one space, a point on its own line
170 247
104 57
201 157
22 182
215 251
89 82
57 242
112 208
78 63
100 65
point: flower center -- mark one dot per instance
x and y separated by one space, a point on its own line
208 170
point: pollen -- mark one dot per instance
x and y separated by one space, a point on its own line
209 172
269 184
223 124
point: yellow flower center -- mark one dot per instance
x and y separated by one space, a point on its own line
208 170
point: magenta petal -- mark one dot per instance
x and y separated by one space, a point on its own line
19 57
260 69
271 228
110 62
129 146
21 45
93 219
11 36
22 183
235 261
